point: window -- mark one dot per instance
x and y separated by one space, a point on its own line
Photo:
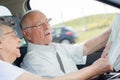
4 11
88 17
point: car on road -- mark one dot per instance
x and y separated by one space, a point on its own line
64 34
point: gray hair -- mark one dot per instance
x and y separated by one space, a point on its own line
1 31
4 21
26 15
1 24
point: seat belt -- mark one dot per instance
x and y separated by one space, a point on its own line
60 62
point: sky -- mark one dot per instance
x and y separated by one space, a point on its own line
64 10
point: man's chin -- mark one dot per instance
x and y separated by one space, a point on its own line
48 42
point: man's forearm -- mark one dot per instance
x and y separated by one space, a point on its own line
83 74
100 66
96 43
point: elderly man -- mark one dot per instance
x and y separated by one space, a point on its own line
51 59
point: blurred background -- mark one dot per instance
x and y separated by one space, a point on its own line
87 17
74 21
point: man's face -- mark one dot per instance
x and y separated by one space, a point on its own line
38 31
10 44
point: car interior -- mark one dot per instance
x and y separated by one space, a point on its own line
19 7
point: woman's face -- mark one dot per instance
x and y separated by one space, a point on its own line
10 44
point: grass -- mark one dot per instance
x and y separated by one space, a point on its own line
83 36
90 26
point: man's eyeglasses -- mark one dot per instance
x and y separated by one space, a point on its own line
39 24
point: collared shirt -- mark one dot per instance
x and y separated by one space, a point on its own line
9 72
42 60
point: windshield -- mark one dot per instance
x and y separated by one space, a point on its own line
87 17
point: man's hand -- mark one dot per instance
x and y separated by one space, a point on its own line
102 65
106 50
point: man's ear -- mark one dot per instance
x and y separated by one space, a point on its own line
26 34
0 44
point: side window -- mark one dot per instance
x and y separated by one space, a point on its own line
4 11
58 30
53 31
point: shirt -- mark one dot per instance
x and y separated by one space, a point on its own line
9 72
42 60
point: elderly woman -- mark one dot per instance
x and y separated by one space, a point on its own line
9 51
